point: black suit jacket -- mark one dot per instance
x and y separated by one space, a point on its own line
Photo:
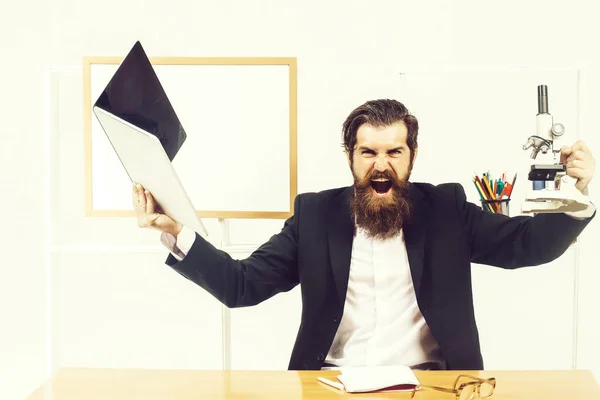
445 234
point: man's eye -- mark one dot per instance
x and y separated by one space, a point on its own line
396 151
369 152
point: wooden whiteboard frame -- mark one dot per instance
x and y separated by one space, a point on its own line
293 155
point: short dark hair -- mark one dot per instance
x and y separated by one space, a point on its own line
380 113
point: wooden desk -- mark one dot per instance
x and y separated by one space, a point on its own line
121 384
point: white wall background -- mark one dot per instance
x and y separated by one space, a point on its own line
111 302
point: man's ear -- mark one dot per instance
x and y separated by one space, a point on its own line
414 157
348 158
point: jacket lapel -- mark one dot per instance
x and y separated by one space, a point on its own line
340 234
414 235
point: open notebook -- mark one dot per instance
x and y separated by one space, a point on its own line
374 379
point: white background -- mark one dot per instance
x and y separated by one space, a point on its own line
94 292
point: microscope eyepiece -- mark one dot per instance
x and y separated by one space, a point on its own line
542 99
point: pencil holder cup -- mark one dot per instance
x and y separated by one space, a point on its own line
498 206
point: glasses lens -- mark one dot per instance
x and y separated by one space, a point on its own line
486 390
467 393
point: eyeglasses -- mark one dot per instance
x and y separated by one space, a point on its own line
475 388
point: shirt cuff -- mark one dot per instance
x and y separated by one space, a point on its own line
583 214
170 242
185 239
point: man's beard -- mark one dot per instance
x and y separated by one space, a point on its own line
380 217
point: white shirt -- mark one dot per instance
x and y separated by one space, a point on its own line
382 323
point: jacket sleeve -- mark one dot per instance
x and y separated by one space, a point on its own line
520 241
270 269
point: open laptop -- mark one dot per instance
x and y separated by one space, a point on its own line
142 127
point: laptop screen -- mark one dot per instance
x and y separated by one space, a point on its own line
135 95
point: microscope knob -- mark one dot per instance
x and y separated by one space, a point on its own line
558 129
529 144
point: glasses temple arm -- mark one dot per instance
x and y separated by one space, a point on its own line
442 389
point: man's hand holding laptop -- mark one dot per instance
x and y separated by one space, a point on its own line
148 214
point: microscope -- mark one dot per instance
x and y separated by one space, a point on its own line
552 190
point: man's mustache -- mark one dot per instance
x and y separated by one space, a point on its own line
377 174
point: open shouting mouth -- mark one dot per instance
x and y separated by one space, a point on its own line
381 186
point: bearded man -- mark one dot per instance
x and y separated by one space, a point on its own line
384 265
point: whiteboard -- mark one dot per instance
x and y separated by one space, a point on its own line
239 159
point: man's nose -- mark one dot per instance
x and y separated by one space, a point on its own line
381 163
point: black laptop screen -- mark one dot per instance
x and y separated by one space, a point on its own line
135 95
